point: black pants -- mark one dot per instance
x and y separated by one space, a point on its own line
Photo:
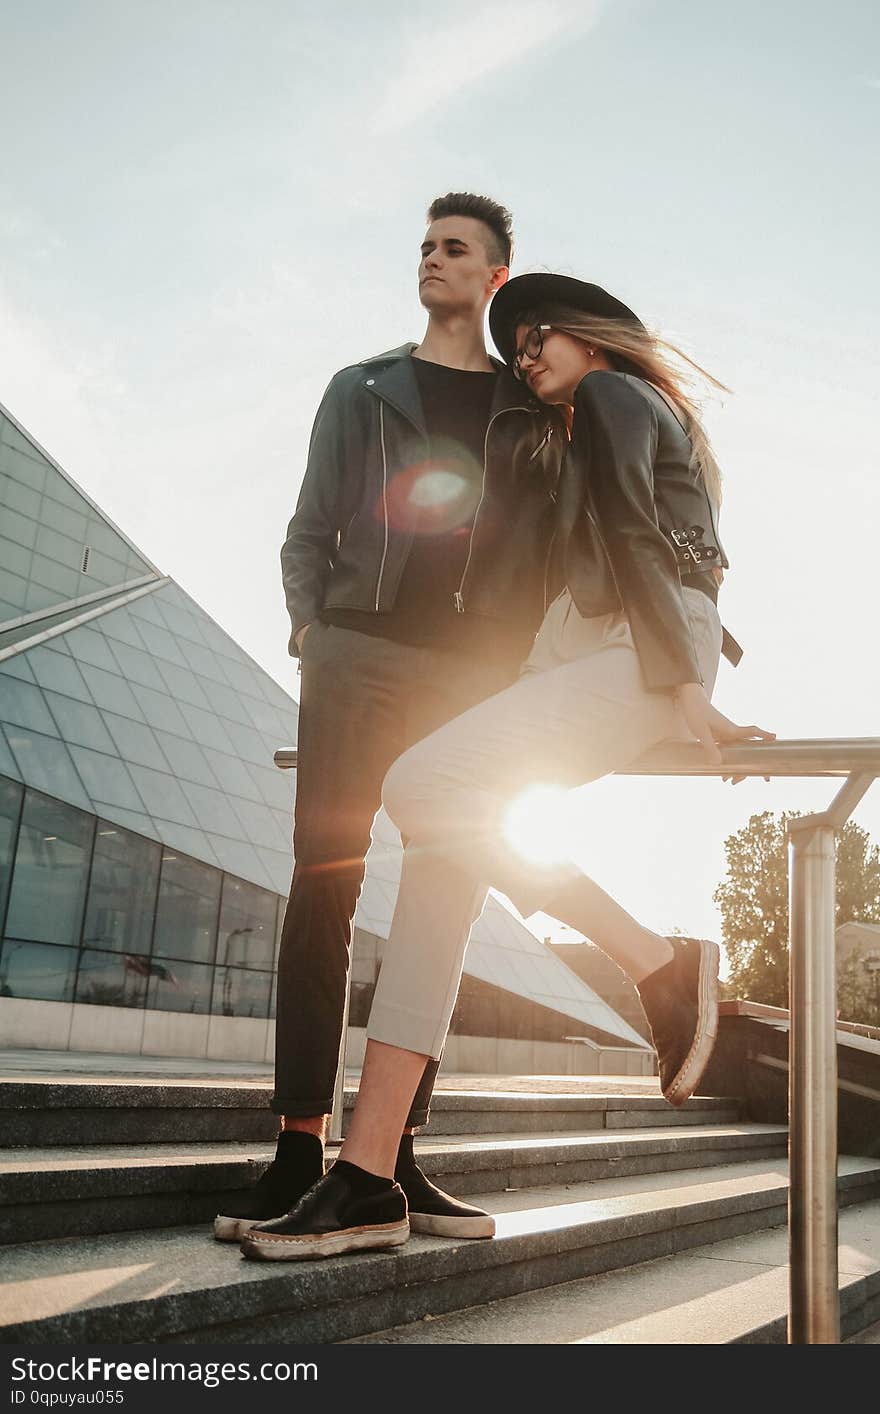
363 701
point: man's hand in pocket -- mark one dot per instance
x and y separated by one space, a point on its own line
296 641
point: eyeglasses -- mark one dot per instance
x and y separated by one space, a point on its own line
533 347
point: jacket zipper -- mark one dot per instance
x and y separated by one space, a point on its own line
458 596
384 500
541 445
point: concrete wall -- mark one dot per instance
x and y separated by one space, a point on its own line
74 1026
495 1055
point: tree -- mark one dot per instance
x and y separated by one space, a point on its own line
753 900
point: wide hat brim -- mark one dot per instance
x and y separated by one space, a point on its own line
532 293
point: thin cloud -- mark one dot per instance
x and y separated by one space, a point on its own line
438 61
25 230
64 390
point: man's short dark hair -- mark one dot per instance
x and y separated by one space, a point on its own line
497 220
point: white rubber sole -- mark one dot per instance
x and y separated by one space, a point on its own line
266 1248
691 1073
435 1226
233 1229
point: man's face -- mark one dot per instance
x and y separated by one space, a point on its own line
455 272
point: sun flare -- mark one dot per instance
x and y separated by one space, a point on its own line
540 824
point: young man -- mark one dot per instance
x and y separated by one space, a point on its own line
416 574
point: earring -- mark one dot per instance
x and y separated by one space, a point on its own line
592 353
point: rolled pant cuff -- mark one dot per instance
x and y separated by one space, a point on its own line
299 1109
406 1029
416 1119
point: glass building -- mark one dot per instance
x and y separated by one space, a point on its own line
145 833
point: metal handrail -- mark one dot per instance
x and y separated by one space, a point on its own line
814 1307
806 756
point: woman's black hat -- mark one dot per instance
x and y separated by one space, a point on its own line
534 292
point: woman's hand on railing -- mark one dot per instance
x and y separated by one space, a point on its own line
711 727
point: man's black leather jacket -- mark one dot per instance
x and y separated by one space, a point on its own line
343 550
635 518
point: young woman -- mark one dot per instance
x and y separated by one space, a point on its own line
626 657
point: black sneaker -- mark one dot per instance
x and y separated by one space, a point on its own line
680 1001
348 1210
298 1163
430 1209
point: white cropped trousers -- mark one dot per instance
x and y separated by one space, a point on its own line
578 711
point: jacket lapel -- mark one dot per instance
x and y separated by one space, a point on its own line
392 379
390 376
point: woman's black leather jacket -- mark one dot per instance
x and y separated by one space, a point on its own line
635 517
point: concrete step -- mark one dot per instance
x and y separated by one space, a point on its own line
869 1335
179 1286
730 1292
60 1113
44 1193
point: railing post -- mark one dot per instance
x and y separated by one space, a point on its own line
814 1312
339 1088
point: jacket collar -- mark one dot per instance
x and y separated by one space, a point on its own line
390 376
510 393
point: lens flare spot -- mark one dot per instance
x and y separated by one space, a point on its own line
540 824
431 498
436 489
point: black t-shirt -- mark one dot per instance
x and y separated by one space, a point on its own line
438 501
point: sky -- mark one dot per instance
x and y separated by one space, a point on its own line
206 208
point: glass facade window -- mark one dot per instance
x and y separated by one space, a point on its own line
248 918
240 992
179 986
23 705
56 671
366 957
122 891
112 979
119 838
99 914
44 763
279 925
37 970
10 809
188 910
50 872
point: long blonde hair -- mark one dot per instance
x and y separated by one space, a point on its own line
630 348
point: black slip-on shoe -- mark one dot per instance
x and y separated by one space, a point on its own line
433 1211
298 1163
680 1001
335 1216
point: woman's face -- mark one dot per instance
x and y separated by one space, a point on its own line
552 363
